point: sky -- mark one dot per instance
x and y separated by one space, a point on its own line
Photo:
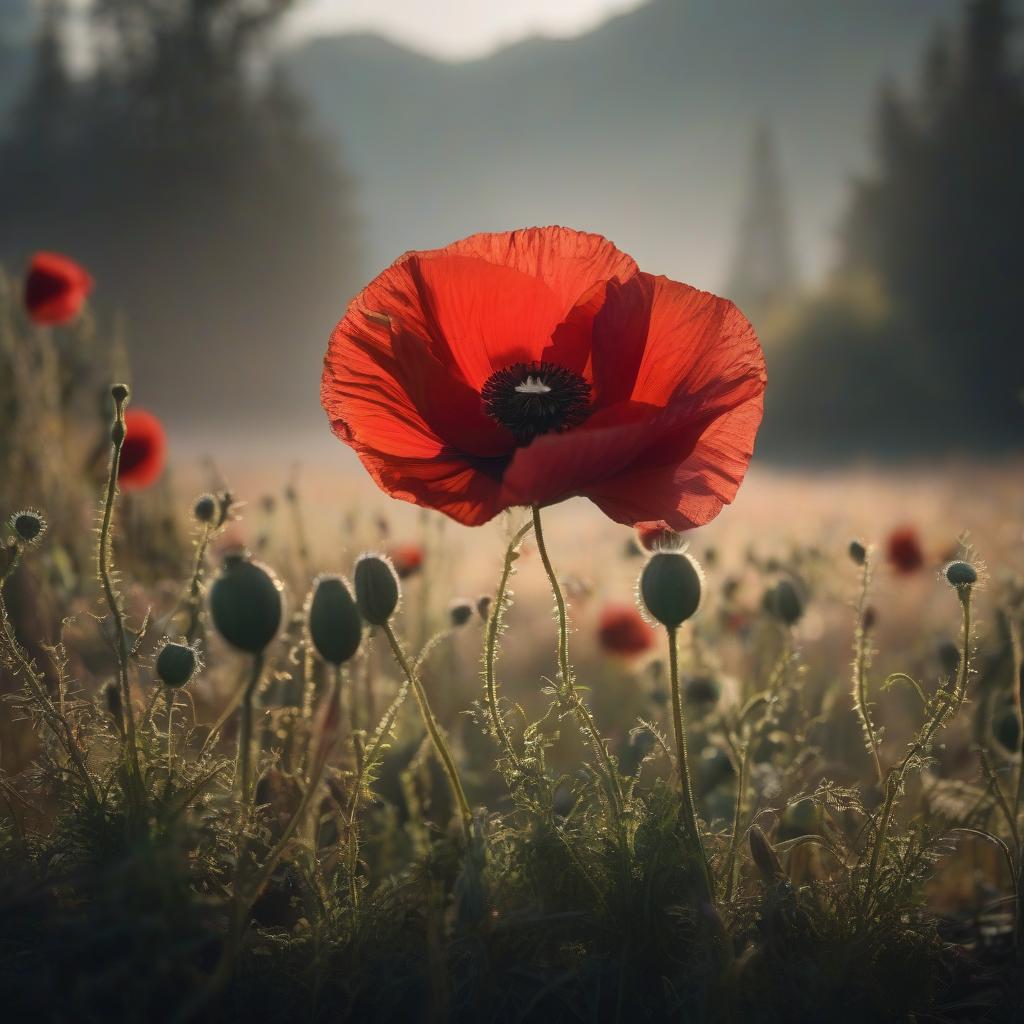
454 29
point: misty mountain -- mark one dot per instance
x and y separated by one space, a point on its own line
640 129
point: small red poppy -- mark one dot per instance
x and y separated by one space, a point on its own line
623 632
527 367
407 559
55 288
903 550
143 452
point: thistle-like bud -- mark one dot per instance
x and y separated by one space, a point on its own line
377 588
246 603
29 525
176 664
858 552
670 586
205 509
460 611
335 626
785 602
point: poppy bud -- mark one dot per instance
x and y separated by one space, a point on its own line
460 611
960 574
377 590
702 691
246 604
1006 729
335 626
858 552
671 586
176 664
765 858
120 393
112 698
205 508
784 602
29 525
483 606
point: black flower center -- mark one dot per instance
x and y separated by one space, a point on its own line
530 399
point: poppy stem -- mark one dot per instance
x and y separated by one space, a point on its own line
689 806
117 435
568 688
434 728
491 648
245 735
860 671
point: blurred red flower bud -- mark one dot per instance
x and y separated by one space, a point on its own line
55 288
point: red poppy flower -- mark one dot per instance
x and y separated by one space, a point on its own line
531 366
143 452
903 550
55 288
623 632
407 559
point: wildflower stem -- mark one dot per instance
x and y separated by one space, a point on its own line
689 807
117 436
491 648
565 672
433 728
245 734
860 671
743 759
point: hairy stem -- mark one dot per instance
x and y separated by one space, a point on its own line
245 735
105 566
434 729
567 686
860 672
491 649
689 806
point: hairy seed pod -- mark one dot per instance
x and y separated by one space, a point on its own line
784 602
858 552
377 588
29 525
176 664
960 574
205 509
670 586
335 625
246 603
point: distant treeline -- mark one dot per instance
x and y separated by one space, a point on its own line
185 173
916 343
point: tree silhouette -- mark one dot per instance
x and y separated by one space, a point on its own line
764 267
916 342
186 174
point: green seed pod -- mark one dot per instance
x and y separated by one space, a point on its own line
858 552
670 586
960 574
377 588
335 626
784 602
246 604
29 525
176 664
